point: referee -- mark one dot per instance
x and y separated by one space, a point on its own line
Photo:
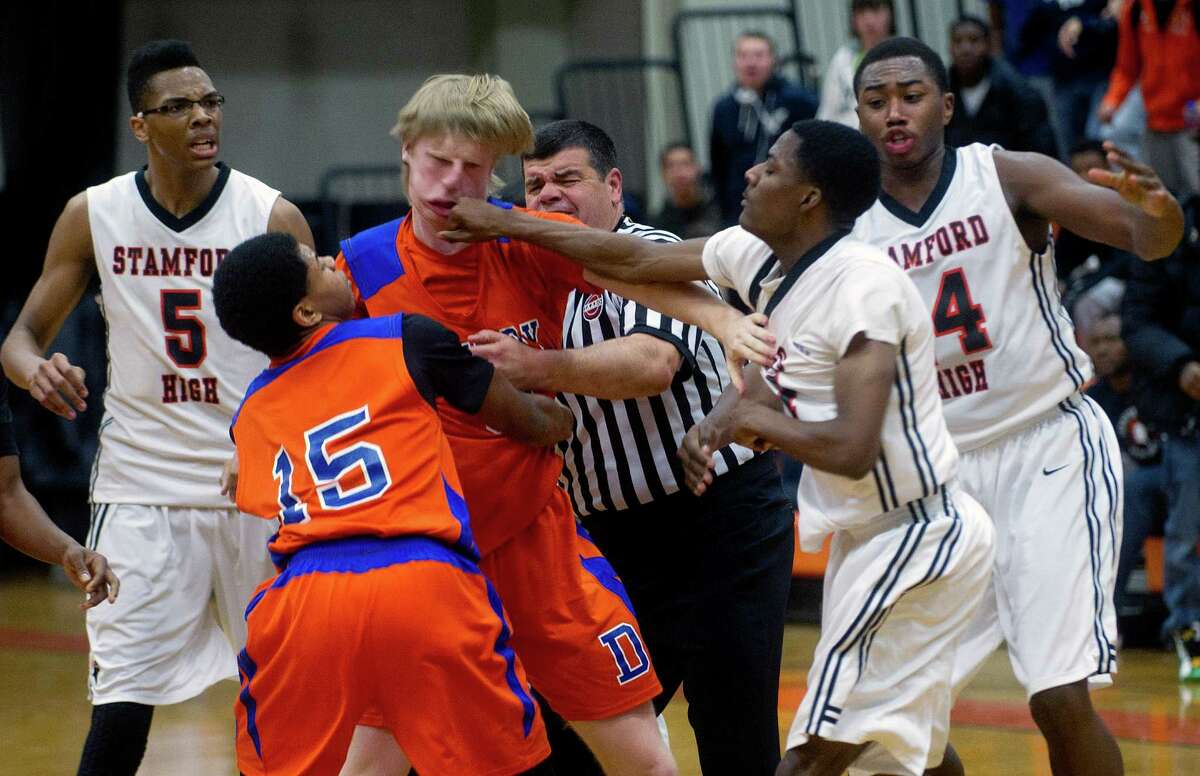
709 576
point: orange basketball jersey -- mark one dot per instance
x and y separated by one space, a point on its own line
342 439
506 285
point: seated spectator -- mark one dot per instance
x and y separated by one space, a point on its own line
992 104
750 117
1145 486
1027 40
871 21
1159 45
690 209
1160 320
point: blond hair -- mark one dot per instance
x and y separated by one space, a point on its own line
481 108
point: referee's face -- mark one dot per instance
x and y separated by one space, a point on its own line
568 183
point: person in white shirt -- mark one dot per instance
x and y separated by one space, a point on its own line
871 21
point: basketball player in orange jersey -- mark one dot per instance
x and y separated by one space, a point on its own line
154 237
379 599
573 625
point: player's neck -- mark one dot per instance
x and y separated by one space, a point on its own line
427 235
179 191
911 186
796 245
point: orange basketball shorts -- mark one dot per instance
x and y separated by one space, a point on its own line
405 626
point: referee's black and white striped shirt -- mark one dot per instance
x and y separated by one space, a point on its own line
622 453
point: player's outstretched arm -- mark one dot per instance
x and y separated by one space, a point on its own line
1129 209
619 256
55 383
25 526
745 337
526 417
286 217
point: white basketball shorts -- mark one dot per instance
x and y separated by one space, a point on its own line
898 596
1054 492
185 574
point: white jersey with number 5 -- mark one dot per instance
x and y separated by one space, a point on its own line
175 378
1006 351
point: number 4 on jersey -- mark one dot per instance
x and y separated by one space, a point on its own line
954 311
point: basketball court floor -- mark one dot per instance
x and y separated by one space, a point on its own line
44 711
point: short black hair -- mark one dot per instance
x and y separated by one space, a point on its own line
572 133
895 48
255 290
677 145
150 59
970 18
757 35
842 163
1088 146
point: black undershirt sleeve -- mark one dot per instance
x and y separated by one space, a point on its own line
8 441
441 365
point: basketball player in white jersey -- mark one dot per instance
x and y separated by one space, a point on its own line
853 377
155 237
969 227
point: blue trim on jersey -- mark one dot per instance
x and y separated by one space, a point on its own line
1094 525
248 669
1112 483
930 487
887 476
372 257
458 508
505 650
872 610
599 567
386 327
1056 338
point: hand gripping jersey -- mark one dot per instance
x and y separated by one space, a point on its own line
839 289
174 378
509 286
1006 351
342 438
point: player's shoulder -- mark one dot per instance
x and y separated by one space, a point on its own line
239 179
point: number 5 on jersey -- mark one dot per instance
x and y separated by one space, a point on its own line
330 471
955 312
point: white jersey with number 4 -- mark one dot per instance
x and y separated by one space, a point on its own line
838 290
175 378
1006 351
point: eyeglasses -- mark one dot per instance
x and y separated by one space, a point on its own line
177 109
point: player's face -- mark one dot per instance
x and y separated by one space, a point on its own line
567 183
902 111
968 50
189 140
775 191
329 290
443 169
753 62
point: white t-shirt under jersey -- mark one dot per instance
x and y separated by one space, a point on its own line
175 378
840 289
1006 351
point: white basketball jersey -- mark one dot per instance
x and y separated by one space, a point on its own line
1006 350
841 288
174 377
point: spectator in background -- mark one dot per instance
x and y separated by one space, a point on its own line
750 117
871 21
1160 318
690 209
993 104
1084 264
1086 51
1141 450
1027 41
1159 43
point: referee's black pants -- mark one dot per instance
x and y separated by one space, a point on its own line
709 579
